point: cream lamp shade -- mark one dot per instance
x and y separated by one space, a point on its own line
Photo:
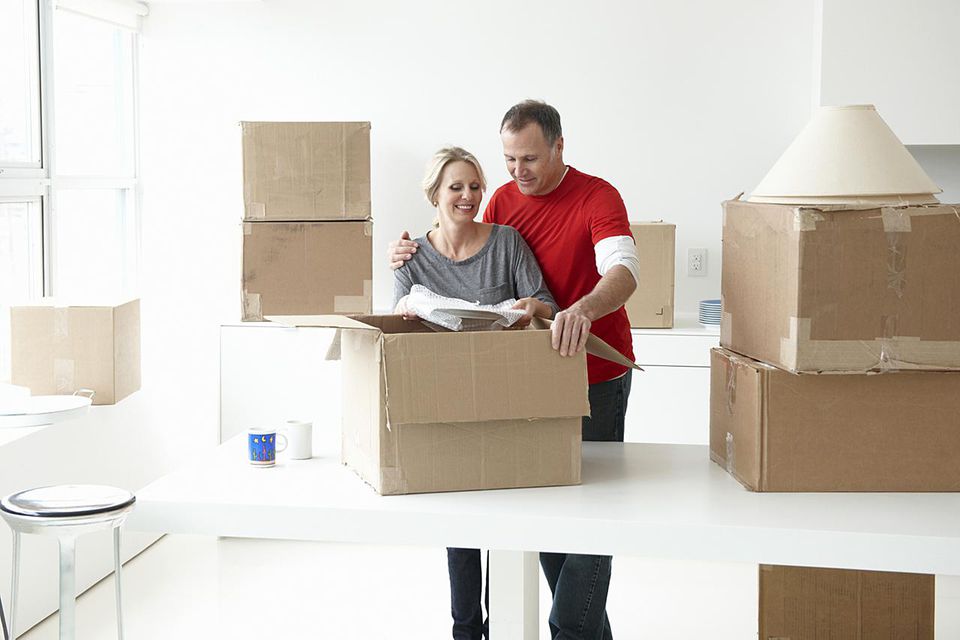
846 155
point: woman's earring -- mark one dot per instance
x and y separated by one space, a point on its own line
434 203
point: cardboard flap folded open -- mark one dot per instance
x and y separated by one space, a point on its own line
329 322
595 346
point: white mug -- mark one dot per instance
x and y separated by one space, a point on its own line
299 439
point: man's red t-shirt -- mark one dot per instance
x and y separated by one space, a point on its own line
561 228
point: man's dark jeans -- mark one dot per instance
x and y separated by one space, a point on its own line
466 583
579 583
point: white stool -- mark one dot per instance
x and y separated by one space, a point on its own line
67 512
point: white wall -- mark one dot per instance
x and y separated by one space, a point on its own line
900 56
679 104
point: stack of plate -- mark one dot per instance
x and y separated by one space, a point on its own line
710 312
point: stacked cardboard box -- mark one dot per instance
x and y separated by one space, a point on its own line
849 291
840 366
307 233
651 305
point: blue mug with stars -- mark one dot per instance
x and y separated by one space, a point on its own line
262 446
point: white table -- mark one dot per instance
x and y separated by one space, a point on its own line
650 500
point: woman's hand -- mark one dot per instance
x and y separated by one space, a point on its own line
531 307
402 310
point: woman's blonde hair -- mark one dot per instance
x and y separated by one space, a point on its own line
443 157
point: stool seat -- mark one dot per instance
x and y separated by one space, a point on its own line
67 501
67 512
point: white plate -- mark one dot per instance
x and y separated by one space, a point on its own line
38 410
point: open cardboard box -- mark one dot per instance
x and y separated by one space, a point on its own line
427 411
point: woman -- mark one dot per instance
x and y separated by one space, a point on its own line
462 258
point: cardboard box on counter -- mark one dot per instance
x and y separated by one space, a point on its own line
306 170
427 411
651 305
778 431
803 602
306 268
60 350
842 290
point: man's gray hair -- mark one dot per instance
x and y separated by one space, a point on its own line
523 113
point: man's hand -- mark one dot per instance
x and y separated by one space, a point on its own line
531 307
570 329
401 250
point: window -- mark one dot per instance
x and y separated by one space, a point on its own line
69 221
20 79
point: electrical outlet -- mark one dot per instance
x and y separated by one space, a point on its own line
696 262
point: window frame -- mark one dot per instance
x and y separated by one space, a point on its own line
18 181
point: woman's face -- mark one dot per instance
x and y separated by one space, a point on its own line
459 195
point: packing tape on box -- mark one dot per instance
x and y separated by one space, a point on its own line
247 229
63 375
368 229
896 262
730 389
61 323
887 352
355 304
895 220
806 219
726 325
252 310
255 211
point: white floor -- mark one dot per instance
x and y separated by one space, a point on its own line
202 587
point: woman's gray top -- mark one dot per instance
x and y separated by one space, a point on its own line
503 268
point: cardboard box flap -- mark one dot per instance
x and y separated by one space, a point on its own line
476 376
328 322
595 346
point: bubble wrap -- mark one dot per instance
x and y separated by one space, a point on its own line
432 307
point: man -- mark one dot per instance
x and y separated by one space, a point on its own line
577 227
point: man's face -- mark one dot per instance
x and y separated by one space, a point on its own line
535 166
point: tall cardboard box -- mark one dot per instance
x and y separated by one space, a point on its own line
306 268
427 411
59 350
306 170
842 290
778 431
802 603
651 305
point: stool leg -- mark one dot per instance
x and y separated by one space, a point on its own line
14 585
68 589
116 574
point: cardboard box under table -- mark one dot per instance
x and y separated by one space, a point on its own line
60 350
306 268
847 290
804 602
778 431
651 305
427 411
306 170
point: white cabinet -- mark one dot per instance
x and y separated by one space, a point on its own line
670 399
